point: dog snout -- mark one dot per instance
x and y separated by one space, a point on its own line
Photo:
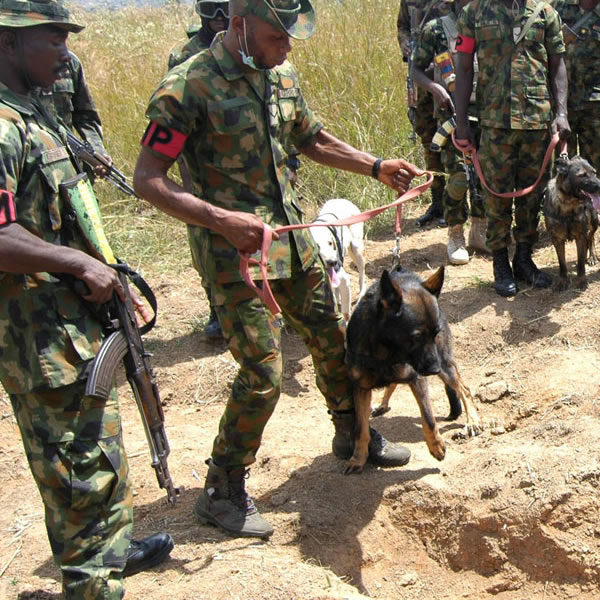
430 363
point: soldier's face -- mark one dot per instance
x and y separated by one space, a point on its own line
268 45
45 53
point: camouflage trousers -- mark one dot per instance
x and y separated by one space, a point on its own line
585 133
254 339
75 452
426 126
511 160
456 206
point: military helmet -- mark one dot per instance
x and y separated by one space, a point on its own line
295 17
27 13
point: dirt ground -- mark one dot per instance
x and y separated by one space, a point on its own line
513 513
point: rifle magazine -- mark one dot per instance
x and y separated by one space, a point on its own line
102 372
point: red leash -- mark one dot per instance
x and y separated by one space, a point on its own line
470 149
265 293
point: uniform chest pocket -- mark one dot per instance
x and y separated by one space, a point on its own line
535 35
53 169
231 116
488 33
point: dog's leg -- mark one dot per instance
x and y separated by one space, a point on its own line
385 402
455 404
582 244
592 256
563 278
362 437
356 252
435 443
452 379
345 293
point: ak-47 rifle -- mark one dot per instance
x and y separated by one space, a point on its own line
411 88
85 152
123 340
124 343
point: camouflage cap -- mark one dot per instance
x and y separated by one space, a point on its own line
27 13
296 17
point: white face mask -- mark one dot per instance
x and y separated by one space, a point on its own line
246 59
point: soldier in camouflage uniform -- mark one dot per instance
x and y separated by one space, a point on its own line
231 112
417 13
70 99
581 30
437 44
48 335
214 15
520 54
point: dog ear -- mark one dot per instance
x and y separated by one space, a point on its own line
388 295
435 282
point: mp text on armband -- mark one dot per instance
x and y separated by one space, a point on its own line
163 140
8 212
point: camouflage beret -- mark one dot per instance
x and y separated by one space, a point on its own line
296 17
26 13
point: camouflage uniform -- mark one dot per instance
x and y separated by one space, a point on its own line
514 100
432 42
238 125
70 99
200 39
425 122
583 68
48 336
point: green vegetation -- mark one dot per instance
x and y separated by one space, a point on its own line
351 74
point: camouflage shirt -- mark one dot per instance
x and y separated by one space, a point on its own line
70 100
513 85
237 126
432 42
424 11
46 332
583 54
201 40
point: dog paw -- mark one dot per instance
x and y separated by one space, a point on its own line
353 467
380 410
437 449
561 284
581 283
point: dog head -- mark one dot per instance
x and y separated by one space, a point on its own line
410 317
329 251
577 178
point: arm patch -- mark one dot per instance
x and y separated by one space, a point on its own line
165 141
464 44
8 211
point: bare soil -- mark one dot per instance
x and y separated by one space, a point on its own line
512 513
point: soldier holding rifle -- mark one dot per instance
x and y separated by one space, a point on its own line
48 334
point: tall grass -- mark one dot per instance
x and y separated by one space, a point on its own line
350 71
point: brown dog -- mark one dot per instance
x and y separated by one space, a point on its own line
570 214
398 334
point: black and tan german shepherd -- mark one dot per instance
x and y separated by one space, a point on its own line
399 334
570 214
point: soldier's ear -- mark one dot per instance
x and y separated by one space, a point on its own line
8 41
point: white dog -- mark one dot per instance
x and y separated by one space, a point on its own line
335 243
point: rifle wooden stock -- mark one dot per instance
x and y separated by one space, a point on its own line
124 344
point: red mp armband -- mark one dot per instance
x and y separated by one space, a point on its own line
465 44
164 141
8 212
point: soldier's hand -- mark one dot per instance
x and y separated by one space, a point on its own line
442 97
142 310
463 138
243 230
398 173
100 170
561 124
100 279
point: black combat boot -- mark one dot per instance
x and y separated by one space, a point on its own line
525 270
147 553
381 452
213 327
226 504
435 212
504 281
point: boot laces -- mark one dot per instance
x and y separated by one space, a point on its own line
238 494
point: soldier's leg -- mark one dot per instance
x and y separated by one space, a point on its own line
498 158
254 339
533 145
426 126
588 122
83 484
455 205
307 303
